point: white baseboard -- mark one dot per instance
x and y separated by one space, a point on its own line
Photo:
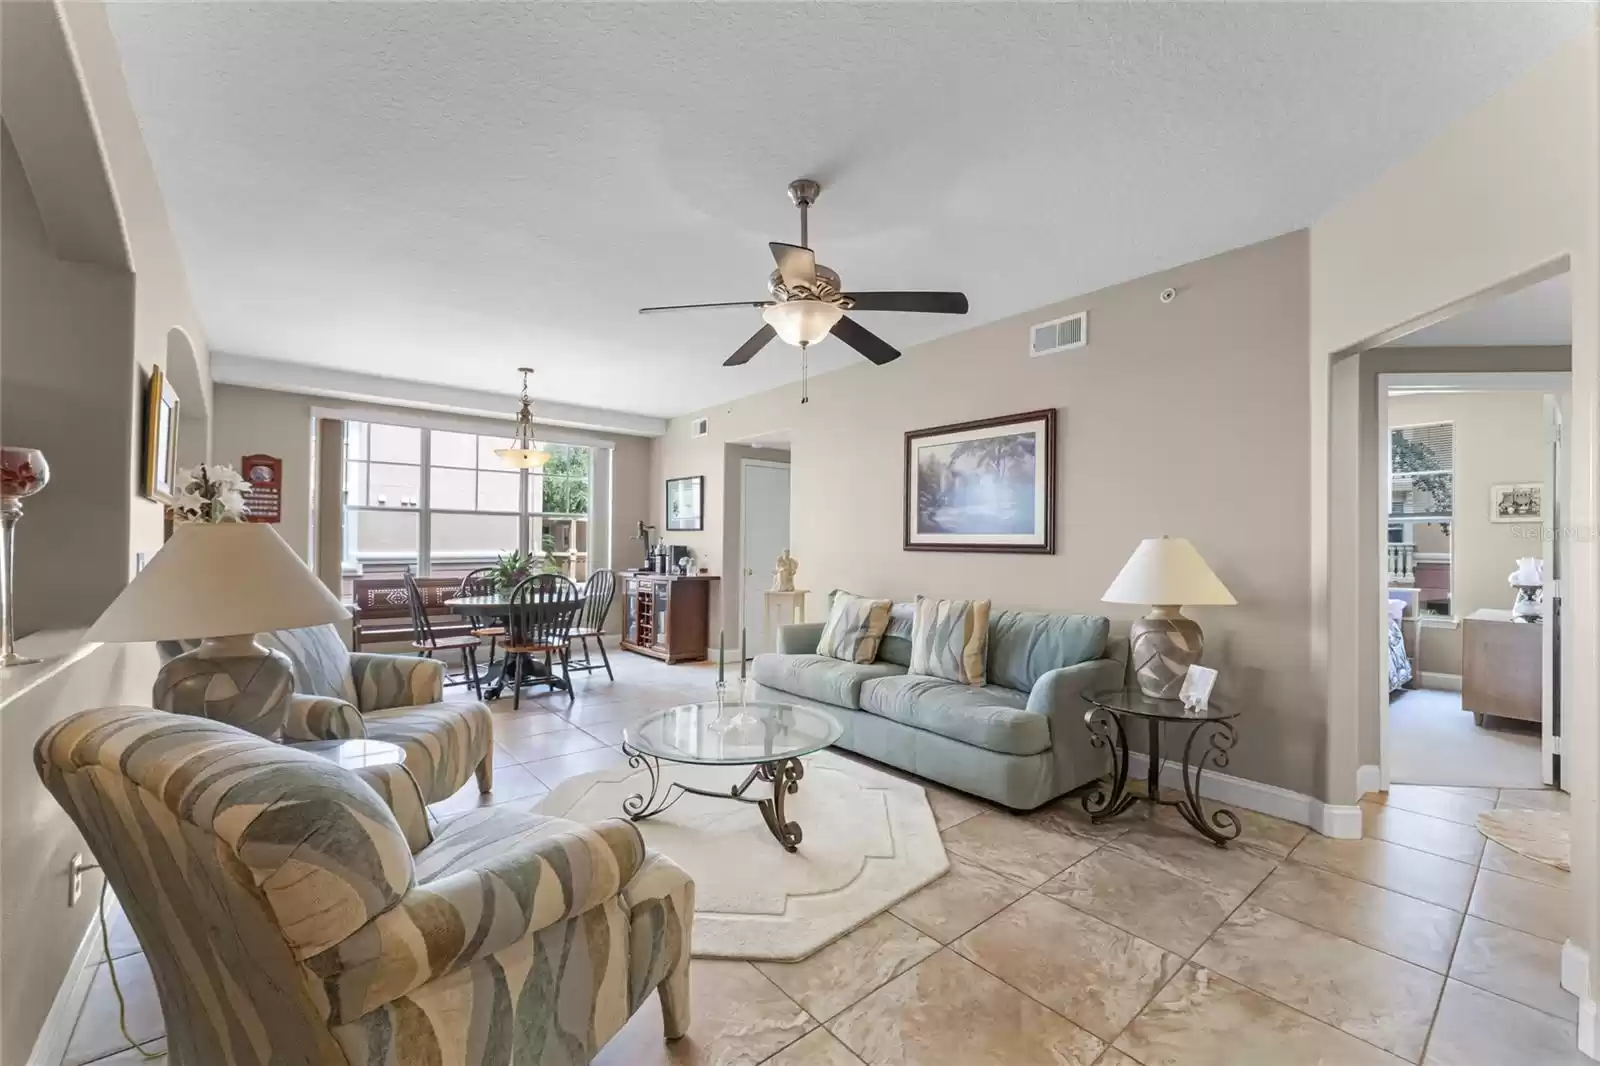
1447 682
1329 819
1575 979
50 1047
1369 778
1574 969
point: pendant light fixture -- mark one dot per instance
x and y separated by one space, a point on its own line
524 454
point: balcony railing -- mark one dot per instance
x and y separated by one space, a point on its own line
1402 563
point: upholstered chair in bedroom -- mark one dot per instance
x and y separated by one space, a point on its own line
297 914
341 695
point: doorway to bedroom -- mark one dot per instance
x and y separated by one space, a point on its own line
1473 486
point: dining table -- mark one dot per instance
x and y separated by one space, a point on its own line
498 605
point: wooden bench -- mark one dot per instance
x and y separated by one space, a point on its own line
383 609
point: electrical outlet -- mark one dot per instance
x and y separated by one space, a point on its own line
75 868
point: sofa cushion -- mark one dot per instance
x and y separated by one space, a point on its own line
854 628
1024 645
949 639
993 718
817 677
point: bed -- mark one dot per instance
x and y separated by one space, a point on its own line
1399 661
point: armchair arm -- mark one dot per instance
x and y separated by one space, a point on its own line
799 639
321 718
458 919
385 682
398 789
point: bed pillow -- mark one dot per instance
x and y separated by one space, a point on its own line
855 626
950 639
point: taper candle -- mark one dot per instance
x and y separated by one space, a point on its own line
720 657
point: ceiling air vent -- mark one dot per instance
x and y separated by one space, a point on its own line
1060 335
699 427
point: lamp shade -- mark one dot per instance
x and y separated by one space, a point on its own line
213 580
803 321
1168 571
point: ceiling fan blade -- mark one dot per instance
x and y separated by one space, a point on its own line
929 303
749 348
796 265
694 307
865 341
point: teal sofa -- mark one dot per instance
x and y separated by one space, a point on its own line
1019 740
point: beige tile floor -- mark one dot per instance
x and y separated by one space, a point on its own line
1054 942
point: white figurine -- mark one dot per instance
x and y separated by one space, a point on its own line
783 574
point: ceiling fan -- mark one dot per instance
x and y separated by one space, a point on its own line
809 301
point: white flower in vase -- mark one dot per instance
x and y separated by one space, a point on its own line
209 493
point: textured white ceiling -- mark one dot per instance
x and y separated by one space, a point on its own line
441 191
1538 314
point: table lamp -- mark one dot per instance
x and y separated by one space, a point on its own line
1166 572
222 583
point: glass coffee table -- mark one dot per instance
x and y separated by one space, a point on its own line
770 738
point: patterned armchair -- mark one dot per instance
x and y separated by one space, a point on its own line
298 914
341 695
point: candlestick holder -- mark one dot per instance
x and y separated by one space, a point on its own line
23 472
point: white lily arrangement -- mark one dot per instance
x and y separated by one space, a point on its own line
208 493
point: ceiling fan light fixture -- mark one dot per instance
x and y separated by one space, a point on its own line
803 322
524 453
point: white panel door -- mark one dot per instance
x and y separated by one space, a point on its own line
765 524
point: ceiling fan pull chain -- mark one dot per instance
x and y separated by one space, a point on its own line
805 373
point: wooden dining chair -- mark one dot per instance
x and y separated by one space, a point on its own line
543 609
480 582
427 643
598 592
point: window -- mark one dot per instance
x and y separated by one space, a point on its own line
1422 512
441 502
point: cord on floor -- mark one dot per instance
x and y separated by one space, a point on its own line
122 1003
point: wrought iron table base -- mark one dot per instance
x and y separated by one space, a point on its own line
783 775
1101 804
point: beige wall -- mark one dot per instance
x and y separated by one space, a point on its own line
1499 438
281 424
1178 418
94 296
64 325
1511 187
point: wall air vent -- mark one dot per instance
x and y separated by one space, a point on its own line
1060 335
699 427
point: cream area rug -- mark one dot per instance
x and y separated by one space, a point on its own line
869 841
1542 836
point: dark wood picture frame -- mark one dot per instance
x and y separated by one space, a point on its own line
699 483
1048 545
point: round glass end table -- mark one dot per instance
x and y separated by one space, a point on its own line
1211 736
354 754
770 738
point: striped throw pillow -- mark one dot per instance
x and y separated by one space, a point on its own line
950 639
855 626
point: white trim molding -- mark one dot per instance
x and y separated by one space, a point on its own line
1443 682
1329 819
1575 979
1369 778
50 1047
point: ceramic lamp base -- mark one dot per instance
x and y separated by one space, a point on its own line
1164 644
229 679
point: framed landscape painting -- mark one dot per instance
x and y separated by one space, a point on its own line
984 486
